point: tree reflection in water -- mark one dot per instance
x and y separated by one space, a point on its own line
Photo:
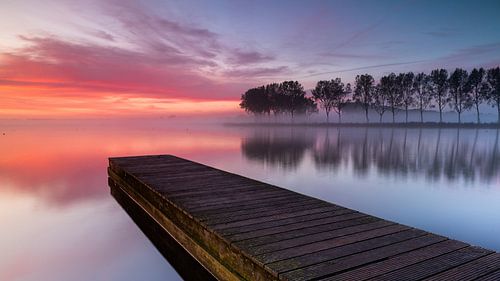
278 148
435 154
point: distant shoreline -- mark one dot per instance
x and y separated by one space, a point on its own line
367 125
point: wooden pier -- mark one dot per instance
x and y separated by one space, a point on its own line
242 229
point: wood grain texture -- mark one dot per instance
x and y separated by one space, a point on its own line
242 229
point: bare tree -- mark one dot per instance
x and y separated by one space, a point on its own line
423 97
439 79
364 85
460 99
476 84
494 88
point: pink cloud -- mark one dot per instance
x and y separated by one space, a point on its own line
57 64
142 55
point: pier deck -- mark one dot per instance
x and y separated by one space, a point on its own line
242 229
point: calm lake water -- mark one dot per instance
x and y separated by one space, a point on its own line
59 222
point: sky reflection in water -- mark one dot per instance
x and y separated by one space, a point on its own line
62 224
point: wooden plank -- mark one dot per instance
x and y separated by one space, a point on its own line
435 265
353 241
204 212
217 190
398 261
294 226
325 236
282 223
263 211
225 212
242 229
312 256
471 270
493 276
329 268
275 217
230 197
271 239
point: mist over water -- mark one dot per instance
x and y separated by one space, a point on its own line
59 221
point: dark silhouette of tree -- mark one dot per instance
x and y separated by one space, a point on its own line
423 97
459 90
308 107
389 87
275 98
439 79
478 88
380 101
323 94
256 101
460 99
341 93
294 97
405 83
494 88
332 95
363 91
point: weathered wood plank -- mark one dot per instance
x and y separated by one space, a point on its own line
218 200
270 239
280 264
435 265
493 276
263 211
398 261
243 229
275 217
227 211
331 267
285 223
470 270
324 237
307 250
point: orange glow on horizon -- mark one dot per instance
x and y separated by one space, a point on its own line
36 101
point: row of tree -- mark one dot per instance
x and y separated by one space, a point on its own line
394 92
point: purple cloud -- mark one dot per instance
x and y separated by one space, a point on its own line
248 57
261 72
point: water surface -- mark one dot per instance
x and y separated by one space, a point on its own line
59 221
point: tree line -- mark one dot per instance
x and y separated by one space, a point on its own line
460 90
